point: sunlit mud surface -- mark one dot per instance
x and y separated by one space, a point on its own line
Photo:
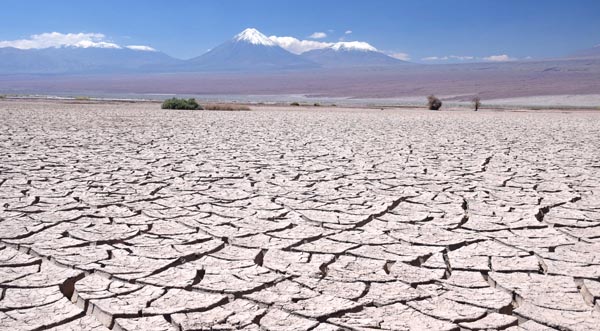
128 217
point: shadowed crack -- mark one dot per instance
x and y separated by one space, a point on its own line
68 286
185 259
197 279
486 162
258 260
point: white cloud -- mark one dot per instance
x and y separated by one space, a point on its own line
449 57
318 35
141 48
400 56
498 58
348 32
432 58
57 39
297 46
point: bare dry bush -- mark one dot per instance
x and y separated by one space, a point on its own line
433 103
476 103
225 107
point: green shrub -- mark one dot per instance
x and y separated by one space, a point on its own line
2 96
175 103
295 104
82 98
317 104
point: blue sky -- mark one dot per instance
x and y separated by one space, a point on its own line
419 29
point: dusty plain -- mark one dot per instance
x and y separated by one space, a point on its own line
123 216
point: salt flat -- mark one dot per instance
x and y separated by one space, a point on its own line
128 217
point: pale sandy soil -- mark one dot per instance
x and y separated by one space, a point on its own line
127 217
552 101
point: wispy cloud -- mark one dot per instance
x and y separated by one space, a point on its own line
491 58
318 35
348 32
141 48
297 46
498 58
462 58
448 57
57 39
401 56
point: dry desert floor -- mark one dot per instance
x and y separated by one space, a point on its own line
123 216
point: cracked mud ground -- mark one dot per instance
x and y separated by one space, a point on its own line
126 217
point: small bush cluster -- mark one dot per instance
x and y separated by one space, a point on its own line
434 103
295 104
2 96
226 107
175 103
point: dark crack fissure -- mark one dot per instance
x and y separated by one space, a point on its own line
545 210
485 163
197 279
186 259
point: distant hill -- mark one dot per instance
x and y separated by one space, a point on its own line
82 60
593 52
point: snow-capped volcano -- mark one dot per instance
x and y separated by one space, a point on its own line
253 37
353 46
350 54
249 50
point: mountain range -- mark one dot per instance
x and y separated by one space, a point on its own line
250 50
254 64
81 60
